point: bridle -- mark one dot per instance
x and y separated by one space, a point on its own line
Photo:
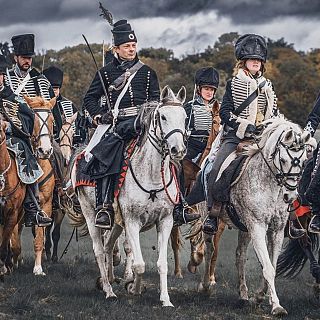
65 134
44 124
281 176
160 143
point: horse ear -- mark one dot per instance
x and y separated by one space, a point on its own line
73 118
52 102
307 139
167 94
288 137
181 95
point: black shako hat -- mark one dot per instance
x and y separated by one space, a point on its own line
122 33
207 76
23 45
3 64
54 75
251 46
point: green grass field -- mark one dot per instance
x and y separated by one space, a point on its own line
68 291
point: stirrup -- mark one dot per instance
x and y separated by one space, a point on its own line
309 229
42 214
302 230
104 226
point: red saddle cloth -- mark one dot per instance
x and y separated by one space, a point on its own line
300 210
81 178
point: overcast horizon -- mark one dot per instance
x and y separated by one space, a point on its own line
184 26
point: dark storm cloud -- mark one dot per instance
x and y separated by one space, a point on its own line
240 11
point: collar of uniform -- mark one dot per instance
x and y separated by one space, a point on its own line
123 65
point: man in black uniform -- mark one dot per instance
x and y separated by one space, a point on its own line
137 83
21 120
309 185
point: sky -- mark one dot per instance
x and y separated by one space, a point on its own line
185 26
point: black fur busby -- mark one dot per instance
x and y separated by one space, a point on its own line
3 64
23 45
251 46
207 76
122 33
54 75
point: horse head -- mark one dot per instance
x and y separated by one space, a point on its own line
66 137
169 122
285 150
42 135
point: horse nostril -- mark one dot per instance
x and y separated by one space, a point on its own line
174 150
40 150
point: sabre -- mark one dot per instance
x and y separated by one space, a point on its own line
98 71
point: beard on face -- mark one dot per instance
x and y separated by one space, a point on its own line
24 67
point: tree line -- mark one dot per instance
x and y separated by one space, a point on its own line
295 74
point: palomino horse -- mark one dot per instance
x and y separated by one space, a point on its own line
42 144
52 238
261 198
12 193
161 143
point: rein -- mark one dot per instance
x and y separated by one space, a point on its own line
281 176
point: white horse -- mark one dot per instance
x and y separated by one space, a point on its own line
147 196
261 198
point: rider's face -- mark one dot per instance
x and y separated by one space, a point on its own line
253 65
207 93
127 51
24 63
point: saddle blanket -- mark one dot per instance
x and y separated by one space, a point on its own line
29 170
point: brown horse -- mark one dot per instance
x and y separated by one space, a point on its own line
190 170
52 238
42 144
12 193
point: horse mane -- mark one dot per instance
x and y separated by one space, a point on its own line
36 101
270 126
145 117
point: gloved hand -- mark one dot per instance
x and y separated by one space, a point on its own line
250 130
107 118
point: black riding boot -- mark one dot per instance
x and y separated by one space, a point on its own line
104 198
210 225
314 225
33 215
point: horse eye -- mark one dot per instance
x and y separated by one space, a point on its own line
163 117
282 160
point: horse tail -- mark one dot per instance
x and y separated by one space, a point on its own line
292 260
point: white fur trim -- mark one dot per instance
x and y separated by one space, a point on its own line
243 123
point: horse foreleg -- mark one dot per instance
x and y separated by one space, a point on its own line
164 230
48 243
241 257
176 244
16 245
113 235
258 236
216 240
38 248
128 273
133 235
58 218
86 199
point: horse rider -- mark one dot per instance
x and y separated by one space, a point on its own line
20 119
66 106
254 95
199 123
309 185
25 80
129 83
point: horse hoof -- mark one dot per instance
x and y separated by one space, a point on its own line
200 287
38 272
167 304
191 268
129 286
54 259
116 260
111 298
279 312
178 275
99 285
243 303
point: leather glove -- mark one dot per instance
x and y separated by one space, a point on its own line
250 130
107 118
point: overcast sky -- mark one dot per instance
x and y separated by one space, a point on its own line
186 26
